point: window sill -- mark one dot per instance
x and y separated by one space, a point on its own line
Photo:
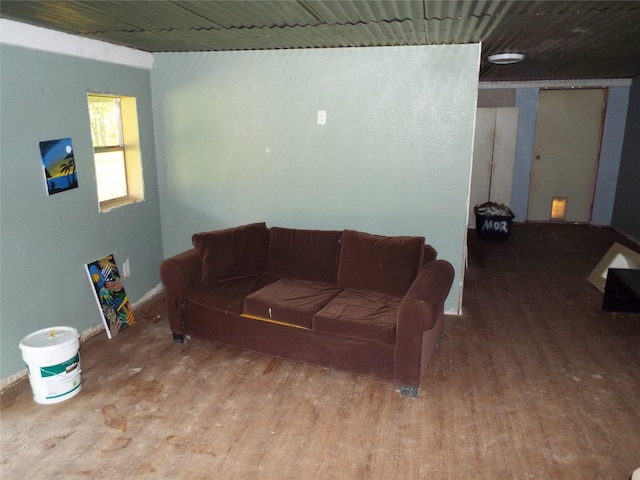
109 205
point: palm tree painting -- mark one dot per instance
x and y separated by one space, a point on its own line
59 165
109 293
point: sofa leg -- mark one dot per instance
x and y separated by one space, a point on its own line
178 338
411 392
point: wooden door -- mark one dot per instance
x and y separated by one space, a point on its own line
566 151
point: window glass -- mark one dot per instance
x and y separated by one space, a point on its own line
106 121
116 150
110 168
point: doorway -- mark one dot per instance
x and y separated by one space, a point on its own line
494 147
565 156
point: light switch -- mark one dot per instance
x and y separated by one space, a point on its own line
322 117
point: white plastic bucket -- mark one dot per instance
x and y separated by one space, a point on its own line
53 363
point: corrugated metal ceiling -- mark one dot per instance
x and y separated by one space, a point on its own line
561 40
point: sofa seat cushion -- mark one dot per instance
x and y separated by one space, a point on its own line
228 295
382 264
290 301
360 314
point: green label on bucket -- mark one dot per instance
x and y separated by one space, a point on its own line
64 367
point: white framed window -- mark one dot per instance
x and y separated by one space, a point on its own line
116 150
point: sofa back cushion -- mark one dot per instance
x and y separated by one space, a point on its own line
232 252
304 254
381 264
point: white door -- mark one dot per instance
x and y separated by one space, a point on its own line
565 154
494 147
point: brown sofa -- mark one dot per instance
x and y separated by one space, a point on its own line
346 300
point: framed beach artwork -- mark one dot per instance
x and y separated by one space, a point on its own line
110 296
59 165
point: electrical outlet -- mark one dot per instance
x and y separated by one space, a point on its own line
126 268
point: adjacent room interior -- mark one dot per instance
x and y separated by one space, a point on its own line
383 117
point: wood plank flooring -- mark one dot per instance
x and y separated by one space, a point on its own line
533 381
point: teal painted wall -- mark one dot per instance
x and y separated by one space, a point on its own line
237 141
45 241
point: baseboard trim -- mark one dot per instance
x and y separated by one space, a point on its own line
150 295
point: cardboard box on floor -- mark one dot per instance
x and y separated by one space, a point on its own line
618 256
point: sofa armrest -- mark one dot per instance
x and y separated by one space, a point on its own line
426 296
177 273
419 316
429 254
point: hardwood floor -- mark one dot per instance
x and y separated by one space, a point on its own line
533 381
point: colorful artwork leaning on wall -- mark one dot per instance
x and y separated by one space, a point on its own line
109 293
59 165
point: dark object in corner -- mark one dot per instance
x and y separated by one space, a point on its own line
493 221
622 290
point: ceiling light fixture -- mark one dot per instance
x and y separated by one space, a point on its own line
505 58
